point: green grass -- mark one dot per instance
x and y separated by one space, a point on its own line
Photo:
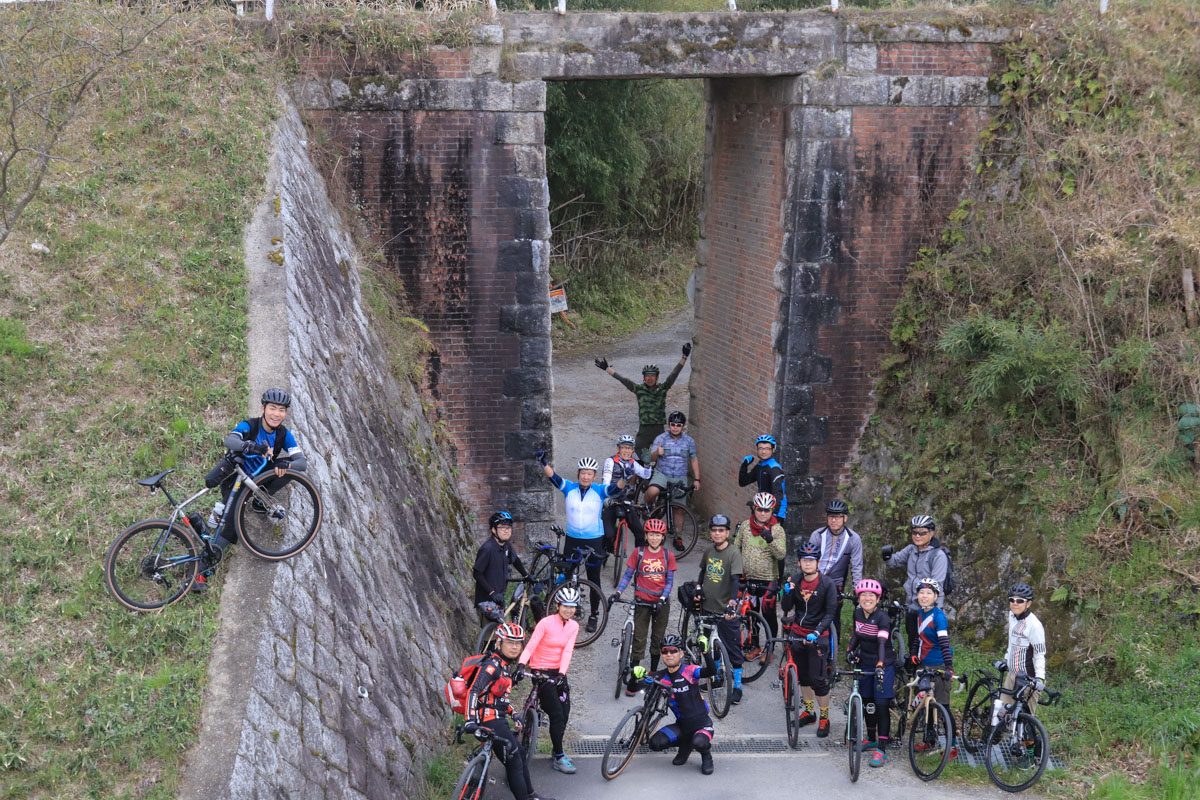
122 352
1043 357
628 288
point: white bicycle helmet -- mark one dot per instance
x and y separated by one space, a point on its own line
569 596
764 500
626 439
588 463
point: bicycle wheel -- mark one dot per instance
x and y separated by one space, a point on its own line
682 530
529 729
623 744
754 632
977 717
618 554
473 778
929 741
582 638
623 660
1016 758
280 523
854 734
792 705
151 564
721 687
483 642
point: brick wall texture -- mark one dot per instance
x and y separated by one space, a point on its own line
733 377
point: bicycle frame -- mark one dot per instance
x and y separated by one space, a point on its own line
244 482
924 695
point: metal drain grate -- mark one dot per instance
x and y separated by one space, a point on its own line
743 745
977 759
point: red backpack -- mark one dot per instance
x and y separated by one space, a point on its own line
458 686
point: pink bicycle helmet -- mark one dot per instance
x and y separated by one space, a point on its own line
868 585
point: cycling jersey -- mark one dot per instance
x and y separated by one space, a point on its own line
841 555
760 558
551 645
583 508
720 576
612 473
652 573
872 637
491 568
488 699
241 433
687 703
932 562
814 603
1026 645
933 639
770 478
677 454
651 400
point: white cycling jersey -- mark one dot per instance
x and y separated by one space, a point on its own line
1026 646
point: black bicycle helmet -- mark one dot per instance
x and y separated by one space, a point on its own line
277 396
677 417
837 507
1021 590
500 518
809 550
650 369
672 640
718 521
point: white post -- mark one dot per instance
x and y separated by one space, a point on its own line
1103 6
270 10
833 5
733 5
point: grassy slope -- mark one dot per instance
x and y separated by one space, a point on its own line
1060 314
135 361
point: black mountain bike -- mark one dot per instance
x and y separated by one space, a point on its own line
719 688
153 563
634 729
564 573
670 506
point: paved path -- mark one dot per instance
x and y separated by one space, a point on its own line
590 410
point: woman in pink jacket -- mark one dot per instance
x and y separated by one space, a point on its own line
549 651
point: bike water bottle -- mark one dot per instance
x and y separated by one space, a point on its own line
214 516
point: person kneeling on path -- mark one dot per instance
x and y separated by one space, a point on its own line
549 651
652 569
489 706
693 728
813 598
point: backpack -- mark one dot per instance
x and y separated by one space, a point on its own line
459 685
948 584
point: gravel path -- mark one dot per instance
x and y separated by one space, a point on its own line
590 410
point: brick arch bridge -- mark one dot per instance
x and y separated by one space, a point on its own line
834 150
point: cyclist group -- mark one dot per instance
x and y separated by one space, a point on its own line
738 567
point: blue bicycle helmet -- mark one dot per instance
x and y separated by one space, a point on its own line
766 438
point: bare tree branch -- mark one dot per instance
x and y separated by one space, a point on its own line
51 55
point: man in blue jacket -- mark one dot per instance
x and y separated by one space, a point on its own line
585 528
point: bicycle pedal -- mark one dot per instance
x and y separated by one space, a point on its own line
616 642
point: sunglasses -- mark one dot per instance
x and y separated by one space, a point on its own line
670 651
921 533
1017 600
675 425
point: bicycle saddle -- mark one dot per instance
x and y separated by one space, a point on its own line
155 480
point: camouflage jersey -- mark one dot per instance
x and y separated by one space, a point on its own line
651 400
